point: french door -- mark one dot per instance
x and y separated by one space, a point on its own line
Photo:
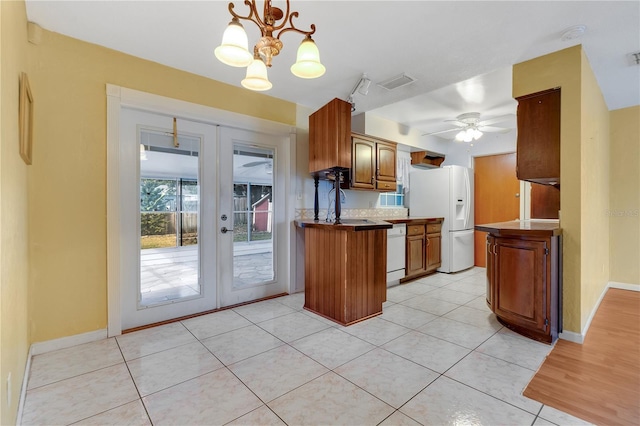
200 217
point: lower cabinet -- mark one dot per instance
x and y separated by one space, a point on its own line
423 249
522 284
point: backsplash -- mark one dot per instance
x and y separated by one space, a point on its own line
355 213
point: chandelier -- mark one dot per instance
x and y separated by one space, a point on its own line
234 48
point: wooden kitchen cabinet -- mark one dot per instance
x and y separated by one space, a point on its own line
538 142
363 167
423 255
523 279
416 259
373 163
330 137
433 255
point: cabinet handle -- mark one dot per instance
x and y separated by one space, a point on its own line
495 249
373 179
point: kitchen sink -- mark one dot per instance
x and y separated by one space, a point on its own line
355 221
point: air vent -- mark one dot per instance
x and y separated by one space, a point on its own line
397 81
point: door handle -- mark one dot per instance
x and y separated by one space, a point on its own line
224 230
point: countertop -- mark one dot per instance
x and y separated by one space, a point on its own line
418 220
346 224
540 228
365 224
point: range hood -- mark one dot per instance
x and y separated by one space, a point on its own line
426 159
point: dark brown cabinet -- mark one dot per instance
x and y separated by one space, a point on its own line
423 255
523 280
538 144
373 164
330 137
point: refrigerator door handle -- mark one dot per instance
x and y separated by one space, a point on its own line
467 185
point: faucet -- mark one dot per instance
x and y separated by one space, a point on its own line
331 205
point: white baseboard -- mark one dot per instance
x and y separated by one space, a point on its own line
579 337
67 342
53 345
624 286
23 391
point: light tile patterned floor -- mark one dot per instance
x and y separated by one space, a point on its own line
437 356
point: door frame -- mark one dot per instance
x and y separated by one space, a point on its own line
118 97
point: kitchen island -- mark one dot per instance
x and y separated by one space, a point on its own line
524 276
345 268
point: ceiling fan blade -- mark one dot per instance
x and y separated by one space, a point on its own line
456 123
441 131
255 163
491 129
496 120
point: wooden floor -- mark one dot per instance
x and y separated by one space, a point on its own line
598 381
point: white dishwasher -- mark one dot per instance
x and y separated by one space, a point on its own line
396 247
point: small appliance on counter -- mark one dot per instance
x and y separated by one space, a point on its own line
447 192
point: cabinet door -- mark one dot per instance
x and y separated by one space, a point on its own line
490 271
363 164
433 251
386 156
538 142
520 277
415 254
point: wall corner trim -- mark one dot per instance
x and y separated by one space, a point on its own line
25 382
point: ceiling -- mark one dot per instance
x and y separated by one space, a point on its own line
459 52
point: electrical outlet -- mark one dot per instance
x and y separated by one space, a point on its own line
9 390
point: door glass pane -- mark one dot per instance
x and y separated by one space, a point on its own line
253 216
169 207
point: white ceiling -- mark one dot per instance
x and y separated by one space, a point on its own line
460 52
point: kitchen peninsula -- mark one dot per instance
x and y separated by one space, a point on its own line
524 264
345 268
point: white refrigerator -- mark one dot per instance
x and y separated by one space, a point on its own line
446 192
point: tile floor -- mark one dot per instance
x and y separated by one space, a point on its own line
436 356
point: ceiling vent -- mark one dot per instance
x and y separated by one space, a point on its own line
397 81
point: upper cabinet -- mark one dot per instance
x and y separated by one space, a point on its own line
368 162
373 164
330 137
538 148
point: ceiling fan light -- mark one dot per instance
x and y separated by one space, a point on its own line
233 51
461 135
256 78
308 60
477 134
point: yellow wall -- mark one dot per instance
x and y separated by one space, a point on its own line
624 219
14 232
594 164
68 185
563 69
584 175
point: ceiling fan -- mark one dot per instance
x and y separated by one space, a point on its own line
470 127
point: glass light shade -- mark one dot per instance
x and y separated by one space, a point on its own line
461 135
233 50
308 60
256 78
477 134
